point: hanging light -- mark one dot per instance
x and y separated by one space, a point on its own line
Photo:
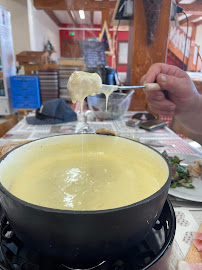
82 14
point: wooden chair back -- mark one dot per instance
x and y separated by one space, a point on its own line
11 121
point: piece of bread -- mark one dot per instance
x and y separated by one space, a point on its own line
105 131
195 169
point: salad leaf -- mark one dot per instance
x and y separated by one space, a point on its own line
174 160
180 174
180 169
183 185
173 185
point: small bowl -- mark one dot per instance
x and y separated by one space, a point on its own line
116 107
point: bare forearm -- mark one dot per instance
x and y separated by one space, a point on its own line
192 119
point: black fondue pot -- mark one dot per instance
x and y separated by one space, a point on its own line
83 237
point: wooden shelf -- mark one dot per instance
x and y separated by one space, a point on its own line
35 67
62 63
71 62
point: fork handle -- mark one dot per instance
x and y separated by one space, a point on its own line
155 87
152 87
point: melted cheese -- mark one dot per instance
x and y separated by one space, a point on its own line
107 90
110 172
82 84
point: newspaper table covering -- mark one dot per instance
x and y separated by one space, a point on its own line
160 139
188 216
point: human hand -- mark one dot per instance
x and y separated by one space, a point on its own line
182 93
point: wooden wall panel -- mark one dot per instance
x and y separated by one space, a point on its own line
71 49
140 56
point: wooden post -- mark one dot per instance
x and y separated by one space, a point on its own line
192 48
197 58
106 17
140 56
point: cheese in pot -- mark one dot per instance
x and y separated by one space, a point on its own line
111 172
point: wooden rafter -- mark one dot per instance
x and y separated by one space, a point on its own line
105 17
192 49
111 17
71 15
91 18
190 18
87 5
197 23
177 53
53 17
195 8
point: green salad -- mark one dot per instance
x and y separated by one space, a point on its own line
180 174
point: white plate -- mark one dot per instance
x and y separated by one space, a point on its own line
186 193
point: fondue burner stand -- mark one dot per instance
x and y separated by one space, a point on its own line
153 253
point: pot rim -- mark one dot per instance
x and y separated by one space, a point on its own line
80 212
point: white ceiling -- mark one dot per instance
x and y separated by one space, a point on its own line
86 20
97 16
64 17
181 17
186 1
199 19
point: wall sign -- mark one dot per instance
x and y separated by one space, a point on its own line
94 53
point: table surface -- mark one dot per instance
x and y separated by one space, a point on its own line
188 214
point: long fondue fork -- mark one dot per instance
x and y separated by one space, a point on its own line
147 86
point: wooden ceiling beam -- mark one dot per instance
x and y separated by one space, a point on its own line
177 53
195 8
87 5
199 12
105 17
53 17
197 23
190 18
192 49
91 18
71 15
111 17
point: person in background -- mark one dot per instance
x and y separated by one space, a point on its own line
184 102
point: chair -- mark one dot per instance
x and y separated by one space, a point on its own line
11 121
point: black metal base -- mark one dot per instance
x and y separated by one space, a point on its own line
15 255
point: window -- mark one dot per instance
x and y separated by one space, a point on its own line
122 52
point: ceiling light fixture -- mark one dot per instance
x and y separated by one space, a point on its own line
82 14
